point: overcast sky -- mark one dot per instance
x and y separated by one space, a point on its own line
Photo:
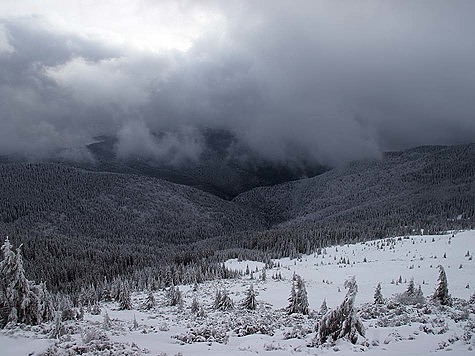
329 80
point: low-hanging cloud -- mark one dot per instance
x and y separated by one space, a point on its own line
172 147
324 81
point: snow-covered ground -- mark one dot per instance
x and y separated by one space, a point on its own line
405 330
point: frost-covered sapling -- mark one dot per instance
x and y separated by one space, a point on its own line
342 322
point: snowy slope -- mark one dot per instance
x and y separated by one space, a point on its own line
411 333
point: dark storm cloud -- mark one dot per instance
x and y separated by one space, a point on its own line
328 81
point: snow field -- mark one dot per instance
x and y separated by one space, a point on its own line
387 261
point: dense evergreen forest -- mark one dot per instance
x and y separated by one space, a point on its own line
82 228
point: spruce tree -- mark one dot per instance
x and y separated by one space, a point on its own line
150 301
343 321
441 293
174 296
323 307
106 324
21 300
411 289
298 302
195 306
58 329
250 302
125 302
225 302
217 299
378 296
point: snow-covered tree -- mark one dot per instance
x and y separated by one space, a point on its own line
342 322
174 296
323 307
411 295
58 329
223 301
441 293
298 302
378 296
21 300
195 306
217 299
411 289
106 323
250 302
125 302
150 301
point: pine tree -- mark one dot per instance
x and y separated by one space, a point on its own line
217 299
150 301
343 321
21 300
298 302
411 289
441 293
58 329
323 307
174 296
250 302
225 302
106 324
125 302
419 295
195 306
378 296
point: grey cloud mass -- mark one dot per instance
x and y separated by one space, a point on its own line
328 81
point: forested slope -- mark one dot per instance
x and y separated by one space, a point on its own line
78 226
425 184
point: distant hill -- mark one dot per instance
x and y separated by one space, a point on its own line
425 184
225 167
